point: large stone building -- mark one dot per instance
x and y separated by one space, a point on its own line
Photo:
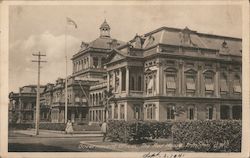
166 74
178 74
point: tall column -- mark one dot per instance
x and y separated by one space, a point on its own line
214 112
113 111
119 112
126 111
120 80
127 80
157 111
180 78
218 111
90 61
158 79
108 81
20 112
230 80
113 80
183 80
198 88
99 62
217 80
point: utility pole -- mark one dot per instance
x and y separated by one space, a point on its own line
39 61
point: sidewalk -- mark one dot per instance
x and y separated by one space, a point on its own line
58 134
157 145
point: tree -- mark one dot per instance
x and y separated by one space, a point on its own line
108 95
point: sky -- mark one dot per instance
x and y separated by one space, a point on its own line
42 28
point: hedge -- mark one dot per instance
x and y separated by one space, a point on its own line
206 135
53 126
18 126
209 135
42 125
137 131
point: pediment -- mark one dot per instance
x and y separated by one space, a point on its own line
170 69
116 57
190 71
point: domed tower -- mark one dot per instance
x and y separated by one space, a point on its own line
105 29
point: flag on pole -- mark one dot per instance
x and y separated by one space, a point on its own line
71 22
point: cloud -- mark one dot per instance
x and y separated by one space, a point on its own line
24 72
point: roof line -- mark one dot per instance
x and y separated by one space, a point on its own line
202 34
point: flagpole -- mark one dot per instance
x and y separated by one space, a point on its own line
66 77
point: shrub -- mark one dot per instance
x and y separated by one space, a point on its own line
208 135
52 126
20 126
137 131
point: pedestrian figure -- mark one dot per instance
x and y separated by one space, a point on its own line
104 130
69 128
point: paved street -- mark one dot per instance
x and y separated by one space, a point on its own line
56 141
24 143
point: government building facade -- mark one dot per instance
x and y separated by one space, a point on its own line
165 74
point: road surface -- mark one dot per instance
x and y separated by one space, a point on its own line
25 143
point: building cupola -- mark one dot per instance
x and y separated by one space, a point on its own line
105 29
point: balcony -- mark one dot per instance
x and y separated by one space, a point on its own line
135 93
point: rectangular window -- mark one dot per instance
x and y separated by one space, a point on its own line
170 113
223 85
122 112
190 81
150 110
224 112
110 112
191 113
139 83
95 62
154 83
209 84
150 85
171 84
123 79
210 113
137 112
237 86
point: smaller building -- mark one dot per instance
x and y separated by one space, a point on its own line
22 104
53 101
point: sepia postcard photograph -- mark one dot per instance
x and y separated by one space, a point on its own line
152 79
